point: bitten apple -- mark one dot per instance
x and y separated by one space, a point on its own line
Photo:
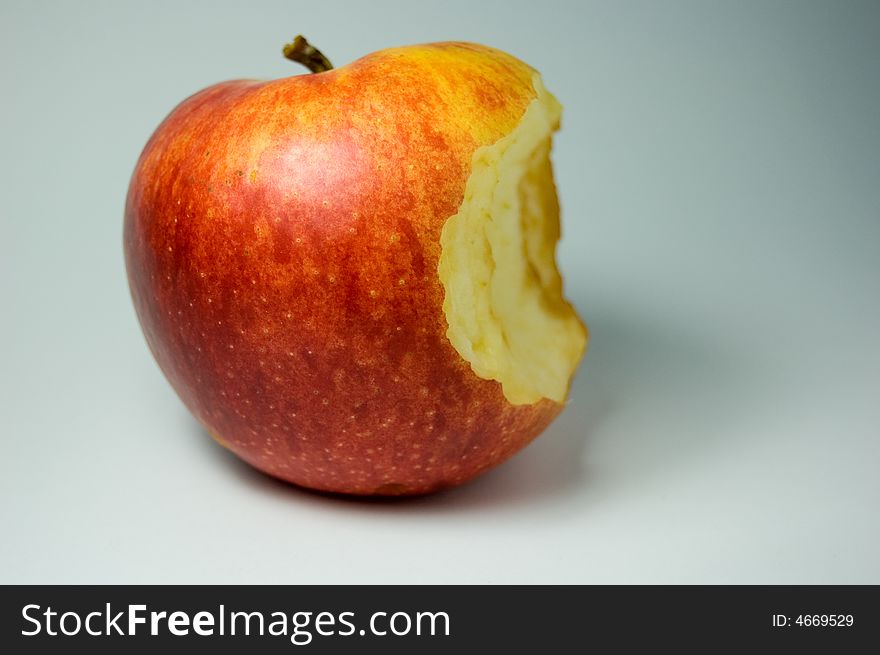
349 276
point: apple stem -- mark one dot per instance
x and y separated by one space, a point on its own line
303 52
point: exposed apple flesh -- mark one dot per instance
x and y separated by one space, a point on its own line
504 304
349 277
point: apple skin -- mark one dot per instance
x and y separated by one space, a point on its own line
282 241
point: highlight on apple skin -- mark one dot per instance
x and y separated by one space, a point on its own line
349 276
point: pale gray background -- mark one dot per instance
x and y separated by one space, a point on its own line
719 169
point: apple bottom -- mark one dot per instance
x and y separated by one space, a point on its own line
395 462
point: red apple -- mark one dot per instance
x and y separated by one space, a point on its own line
349 276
